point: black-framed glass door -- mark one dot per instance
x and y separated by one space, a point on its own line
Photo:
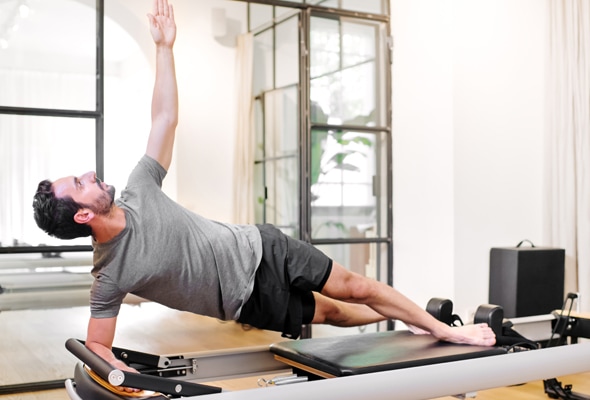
334 125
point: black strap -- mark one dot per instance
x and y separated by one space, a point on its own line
512 338
525 240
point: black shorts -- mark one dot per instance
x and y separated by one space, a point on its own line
288 272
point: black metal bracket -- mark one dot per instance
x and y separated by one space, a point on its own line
555 390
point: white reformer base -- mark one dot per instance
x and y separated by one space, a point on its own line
427 382
432 381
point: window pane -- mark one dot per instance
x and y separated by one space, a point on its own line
48 54
282 191
368 6
347 81
33 149
259 195
263 66
346 97
324 46
348 170
284 12
281 122
287 52
369 259
277 168
325 3
358 43
260 15
258 130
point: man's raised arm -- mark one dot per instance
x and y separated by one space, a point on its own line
165 96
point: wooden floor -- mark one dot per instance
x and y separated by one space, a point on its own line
32 347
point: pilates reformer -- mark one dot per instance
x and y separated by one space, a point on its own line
375 365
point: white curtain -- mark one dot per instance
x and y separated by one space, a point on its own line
567 142
243 189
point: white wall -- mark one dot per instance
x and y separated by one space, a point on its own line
468 141
205 142
201 176
423 137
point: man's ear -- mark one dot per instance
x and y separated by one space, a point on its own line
84 216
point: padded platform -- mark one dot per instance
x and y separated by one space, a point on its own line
373 352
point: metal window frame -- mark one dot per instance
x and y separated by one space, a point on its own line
97 115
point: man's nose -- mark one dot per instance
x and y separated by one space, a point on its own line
90 176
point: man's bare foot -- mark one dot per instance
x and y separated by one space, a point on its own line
477 335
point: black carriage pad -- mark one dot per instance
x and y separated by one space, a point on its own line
374 352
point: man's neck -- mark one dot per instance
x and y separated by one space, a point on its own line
106 227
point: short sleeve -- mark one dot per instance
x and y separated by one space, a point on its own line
105 298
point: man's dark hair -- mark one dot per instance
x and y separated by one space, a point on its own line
56 215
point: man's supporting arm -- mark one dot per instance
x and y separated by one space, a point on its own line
99 339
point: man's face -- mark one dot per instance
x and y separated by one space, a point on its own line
86 189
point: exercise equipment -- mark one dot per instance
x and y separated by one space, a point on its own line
374 352
526 280
442 309
566 325
110 377
443 378
377 365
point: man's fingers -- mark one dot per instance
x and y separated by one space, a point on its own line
155 8
163 8
171 11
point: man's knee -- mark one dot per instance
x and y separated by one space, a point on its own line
327 311
360 288
348 286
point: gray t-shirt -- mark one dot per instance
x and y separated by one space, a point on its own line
173 256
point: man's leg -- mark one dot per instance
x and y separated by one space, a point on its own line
338 313
387 302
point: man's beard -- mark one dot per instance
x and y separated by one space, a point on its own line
105 202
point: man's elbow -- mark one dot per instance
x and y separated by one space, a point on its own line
166 121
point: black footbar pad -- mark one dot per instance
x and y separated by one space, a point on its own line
374 352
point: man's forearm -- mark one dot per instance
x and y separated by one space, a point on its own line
165 96
164 108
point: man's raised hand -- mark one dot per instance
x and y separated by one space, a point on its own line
162 25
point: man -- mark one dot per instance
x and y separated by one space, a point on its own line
146 244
